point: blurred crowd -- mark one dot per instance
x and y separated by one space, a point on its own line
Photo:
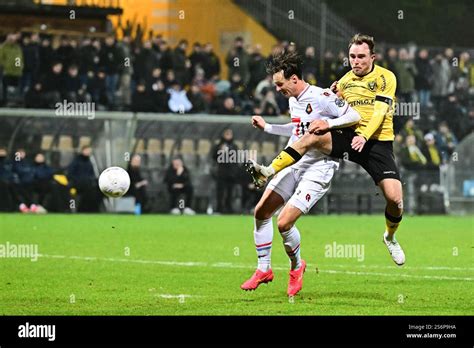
38 71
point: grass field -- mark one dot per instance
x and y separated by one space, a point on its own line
165 265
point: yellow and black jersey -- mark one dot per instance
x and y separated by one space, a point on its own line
361 92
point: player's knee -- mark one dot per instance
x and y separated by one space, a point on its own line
261 213
396 201
284 224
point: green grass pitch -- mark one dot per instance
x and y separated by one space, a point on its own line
167 265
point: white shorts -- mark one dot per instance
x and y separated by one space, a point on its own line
303 188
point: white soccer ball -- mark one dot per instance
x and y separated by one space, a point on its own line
114 182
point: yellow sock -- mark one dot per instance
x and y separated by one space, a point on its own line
392 223
286 158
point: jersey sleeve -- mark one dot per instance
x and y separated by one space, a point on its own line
338 111
386 86
331 106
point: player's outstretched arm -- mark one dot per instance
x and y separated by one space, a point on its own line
276 129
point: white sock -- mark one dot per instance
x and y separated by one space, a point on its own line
263 236
291 241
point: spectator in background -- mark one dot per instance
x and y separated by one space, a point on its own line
269 105
406 72
424 78
412 157
328 71
449 56
197 100
411 129
31 68
446 141
159 96
170 78
145 63
46 56
262 87
392 55
196 58
83 179
238 61
42 183
52 85
97 89
179 62
226 172
211 63
65 52
257 68
310 63
227 107
141 99
47 192
179 185
138 184
153 78
7 178
441 79
112 62
464 75
166 60
89 62
431 152
125 81
24 176
238 89
178 101
11 63
74 90
34 97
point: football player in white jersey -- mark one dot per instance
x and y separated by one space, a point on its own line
300 186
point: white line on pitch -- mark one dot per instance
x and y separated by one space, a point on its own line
231 265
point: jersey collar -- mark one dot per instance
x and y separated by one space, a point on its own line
304 91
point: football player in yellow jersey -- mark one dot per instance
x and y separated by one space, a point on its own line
370 90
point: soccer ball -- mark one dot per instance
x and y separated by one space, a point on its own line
114 182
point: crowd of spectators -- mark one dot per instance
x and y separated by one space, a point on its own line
38 71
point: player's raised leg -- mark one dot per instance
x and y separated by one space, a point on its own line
263 236
293 153
392 190
291 241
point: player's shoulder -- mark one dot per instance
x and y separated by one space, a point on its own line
315 93
347 76
381 71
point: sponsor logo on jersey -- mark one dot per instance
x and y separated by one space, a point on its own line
362 102
372 85
309 109
340 102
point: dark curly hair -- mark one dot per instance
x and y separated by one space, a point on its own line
290 62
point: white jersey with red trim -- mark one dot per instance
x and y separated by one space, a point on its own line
313 103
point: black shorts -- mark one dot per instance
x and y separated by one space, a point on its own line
376 157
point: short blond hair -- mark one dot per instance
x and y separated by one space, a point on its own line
359 39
